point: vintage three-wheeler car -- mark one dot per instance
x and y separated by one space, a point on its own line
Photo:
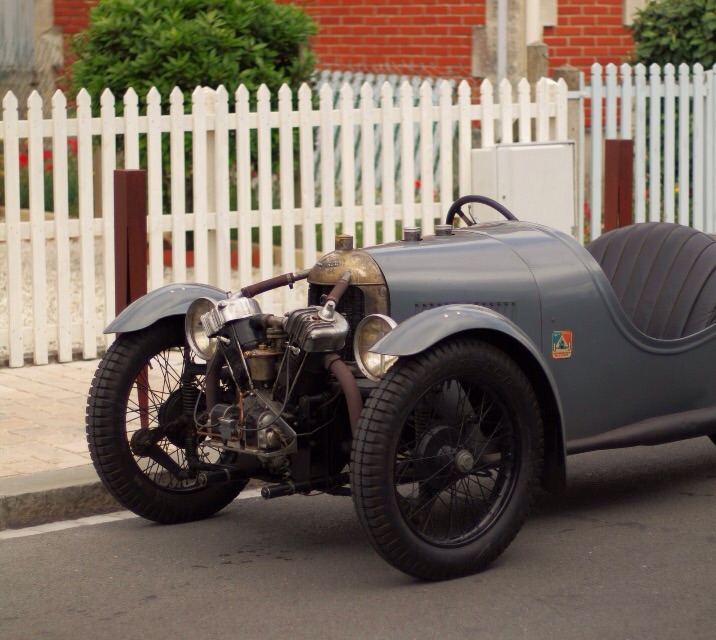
438 380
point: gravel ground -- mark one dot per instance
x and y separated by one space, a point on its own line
72 285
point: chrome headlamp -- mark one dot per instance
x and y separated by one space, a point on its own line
205 318
200 341
368 332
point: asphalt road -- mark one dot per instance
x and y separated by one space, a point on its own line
628 551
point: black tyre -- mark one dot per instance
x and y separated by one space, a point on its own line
447 455
139 425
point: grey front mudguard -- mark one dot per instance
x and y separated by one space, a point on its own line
422 331
170 300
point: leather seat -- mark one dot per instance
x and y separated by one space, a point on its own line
663 274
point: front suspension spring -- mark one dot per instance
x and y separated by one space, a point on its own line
190 398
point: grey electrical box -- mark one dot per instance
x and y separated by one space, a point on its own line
534 180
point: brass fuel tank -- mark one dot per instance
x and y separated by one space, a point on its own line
365 273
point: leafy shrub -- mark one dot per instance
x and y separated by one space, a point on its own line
187 43
676 31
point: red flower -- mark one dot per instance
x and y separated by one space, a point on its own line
47 154
417 184
23 159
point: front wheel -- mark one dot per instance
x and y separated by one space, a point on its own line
447 455
140 427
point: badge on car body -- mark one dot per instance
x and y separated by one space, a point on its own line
561 344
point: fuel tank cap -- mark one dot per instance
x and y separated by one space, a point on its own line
344 242
411 234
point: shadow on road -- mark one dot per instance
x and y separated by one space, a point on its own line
642 474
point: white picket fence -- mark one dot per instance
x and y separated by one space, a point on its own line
234 188
336 79
670 114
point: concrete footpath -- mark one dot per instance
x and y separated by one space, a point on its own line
45 470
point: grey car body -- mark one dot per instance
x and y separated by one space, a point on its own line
437 380
541 283
523 286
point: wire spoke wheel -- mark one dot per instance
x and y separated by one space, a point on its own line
454 471
448 451
140 427
157 426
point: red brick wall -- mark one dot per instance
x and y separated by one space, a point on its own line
72 15
588 31
434 37
428 37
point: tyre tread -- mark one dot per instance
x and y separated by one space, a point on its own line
373 439
106 438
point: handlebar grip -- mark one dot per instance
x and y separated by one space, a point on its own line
274 283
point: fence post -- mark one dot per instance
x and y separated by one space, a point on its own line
130 236
210 98
618 183
537 63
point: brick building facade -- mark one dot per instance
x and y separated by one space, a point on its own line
589 31
72 15
405 36
434 37
441 37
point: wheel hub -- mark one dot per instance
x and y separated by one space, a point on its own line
442 457
176 427
464 461
142 441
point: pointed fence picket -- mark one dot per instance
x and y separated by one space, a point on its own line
15 267
670 114
108 142
62 235
231 175
87 226
37 227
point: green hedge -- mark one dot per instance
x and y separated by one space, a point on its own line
187 43
676 31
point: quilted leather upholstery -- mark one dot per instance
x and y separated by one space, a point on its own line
663 274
